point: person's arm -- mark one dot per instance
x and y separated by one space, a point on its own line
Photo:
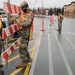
27 20
13 18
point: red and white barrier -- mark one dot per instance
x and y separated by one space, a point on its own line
10 50
10 8
6 32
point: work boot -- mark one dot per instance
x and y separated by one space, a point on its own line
57 29
23 64
28 58
1 65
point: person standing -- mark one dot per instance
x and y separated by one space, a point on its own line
25 22
60 19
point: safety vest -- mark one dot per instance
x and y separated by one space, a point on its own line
0 27
32 14
59 17
22 17
0 23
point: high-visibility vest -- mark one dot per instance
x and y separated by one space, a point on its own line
0 27
59 17
22 17
0 23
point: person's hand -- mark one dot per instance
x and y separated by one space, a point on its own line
12 19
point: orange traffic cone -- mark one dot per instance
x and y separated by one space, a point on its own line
42 24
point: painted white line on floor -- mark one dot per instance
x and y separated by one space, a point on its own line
69 41
64 57
35 56
51 72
